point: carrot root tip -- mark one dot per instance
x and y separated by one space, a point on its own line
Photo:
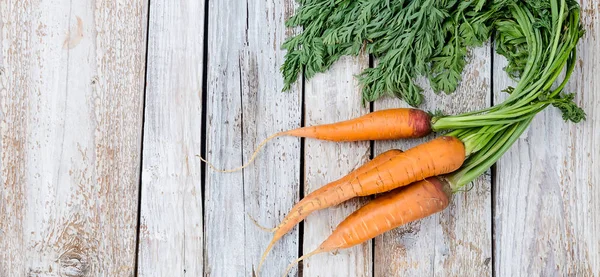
270 230
252 158
264 255
296 261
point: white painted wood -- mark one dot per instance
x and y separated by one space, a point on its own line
456 242
171 231
71 94
246 105
547 199
71 88
331 97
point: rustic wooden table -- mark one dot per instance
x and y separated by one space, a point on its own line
104 106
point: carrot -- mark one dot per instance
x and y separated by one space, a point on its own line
395 208
380 125
439 156
309 203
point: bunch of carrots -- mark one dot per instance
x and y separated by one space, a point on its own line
539 42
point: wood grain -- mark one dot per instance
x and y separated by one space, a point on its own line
71 94
245 105
171 228
71 89
331 97
456 242
547 199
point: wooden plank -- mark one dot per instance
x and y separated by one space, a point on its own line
171 228
71 95
332 97
547 199
245 105
458 241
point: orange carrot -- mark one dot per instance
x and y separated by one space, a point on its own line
395 208
436 157
309 203
439 156
380 125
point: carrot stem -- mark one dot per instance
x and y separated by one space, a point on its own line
478 164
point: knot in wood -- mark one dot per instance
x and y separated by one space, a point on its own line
73 264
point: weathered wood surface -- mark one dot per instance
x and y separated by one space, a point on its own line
71 104
457 242
71 94
171 231
547 198
245 105
331 97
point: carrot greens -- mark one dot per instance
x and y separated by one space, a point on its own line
410 38
539 40
430 38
